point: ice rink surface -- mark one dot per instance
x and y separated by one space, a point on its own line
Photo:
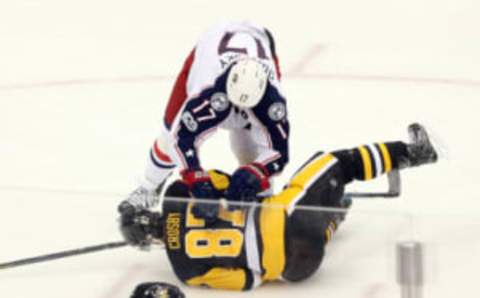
83 85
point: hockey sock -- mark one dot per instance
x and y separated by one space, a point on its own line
370 161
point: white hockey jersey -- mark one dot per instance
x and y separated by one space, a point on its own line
199 105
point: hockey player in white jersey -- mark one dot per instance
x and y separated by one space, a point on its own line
230 80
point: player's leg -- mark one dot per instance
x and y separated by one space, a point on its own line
360 163
160 163
146 195
370 161
158 167
163 158
306 234
321 182
321 176
304 250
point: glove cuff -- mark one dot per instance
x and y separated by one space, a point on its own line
261 172
191 176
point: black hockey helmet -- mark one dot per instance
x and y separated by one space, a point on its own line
157 290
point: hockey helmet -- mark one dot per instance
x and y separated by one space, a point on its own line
157 290
247 82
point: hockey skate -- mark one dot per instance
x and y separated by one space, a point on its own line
420 149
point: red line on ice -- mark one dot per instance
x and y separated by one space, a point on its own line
306 59
311 76
297 71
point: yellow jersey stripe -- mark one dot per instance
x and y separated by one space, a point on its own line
301 181
367 162
221 278
311 170
272 229
272 218
386 157
286 197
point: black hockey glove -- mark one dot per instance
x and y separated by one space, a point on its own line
201 187
157 290
247 182
139 226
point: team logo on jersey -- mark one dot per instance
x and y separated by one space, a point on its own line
277 111
189 121
219 101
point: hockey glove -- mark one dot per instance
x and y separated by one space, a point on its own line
202 187
157 290
247 182
139 226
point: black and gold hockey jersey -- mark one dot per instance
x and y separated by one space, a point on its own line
238 251
212 255
244 248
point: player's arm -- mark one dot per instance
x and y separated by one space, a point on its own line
249 180
277 127
198 120
237 279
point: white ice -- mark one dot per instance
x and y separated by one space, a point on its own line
83 85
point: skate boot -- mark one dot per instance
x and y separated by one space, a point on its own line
420 150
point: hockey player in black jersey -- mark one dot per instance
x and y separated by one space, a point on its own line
280 238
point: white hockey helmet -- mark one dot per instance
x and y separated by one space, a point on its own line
246 83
